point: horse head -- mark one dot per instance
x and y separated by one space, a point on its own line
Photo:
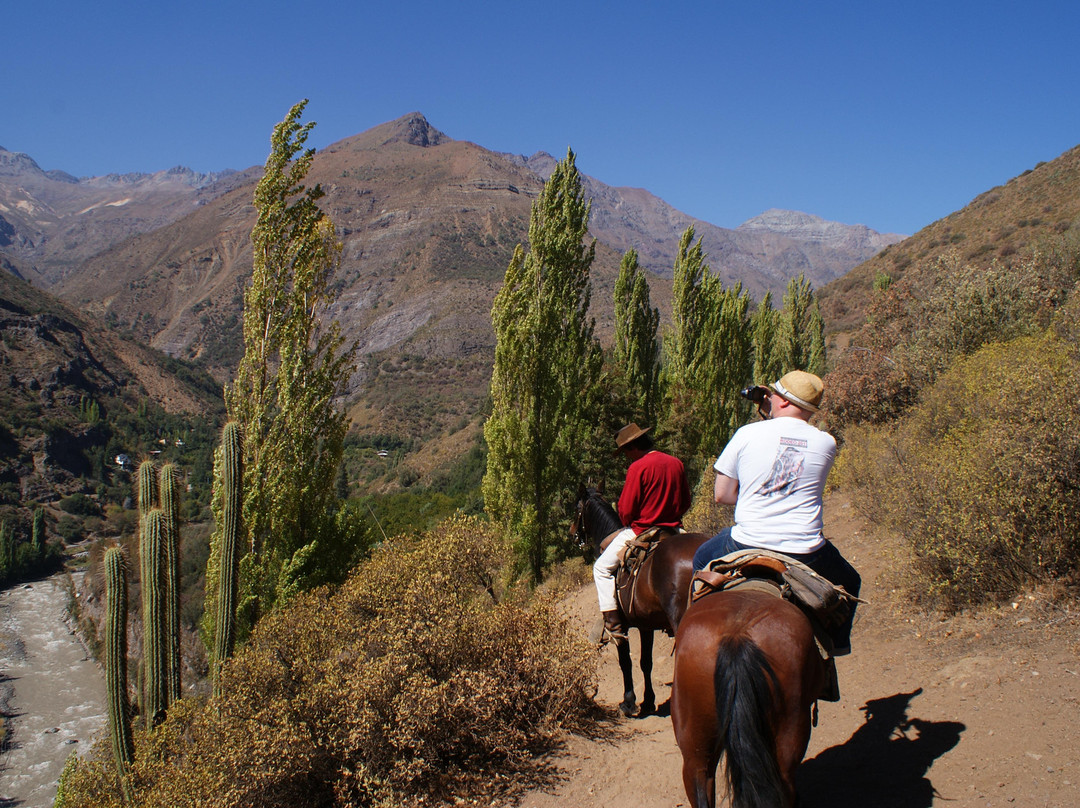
594 518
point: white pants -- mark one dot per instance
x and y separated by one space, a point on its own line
603 571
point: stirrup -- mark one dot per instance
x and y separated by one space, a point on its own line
614 633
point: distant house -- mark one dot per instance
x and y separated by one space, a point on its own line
124 462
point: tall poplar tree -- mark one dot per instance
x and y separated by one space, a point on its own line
765 328
546 372
283 394
637 352
802 330
707 358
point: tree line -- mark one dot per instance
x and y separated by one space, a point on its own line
557 396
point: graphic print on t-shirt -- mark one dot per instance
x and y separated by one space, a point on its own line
787 468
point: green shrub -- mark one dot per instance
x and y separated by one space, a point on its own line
80 505
421 680
980 476
70 529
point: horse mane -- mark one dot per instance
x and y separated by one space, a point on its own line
606 519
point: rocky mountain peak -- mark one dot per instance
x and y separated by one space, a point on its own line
784 221
13 164
415 130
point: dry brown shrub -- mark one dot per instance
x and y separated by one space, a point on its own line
980 476
913 335
424 678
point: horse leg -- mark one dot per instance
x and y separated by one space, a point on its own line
626 665
693 719
793 733
648 701
792 740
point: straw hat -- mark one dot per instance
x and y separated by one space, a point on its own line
801 389
629 433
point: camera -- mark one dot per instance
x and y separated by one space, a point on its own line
757 394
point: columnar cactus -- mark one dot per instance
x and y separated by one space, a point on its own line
7 552
232 466
170 508
147 492
152 554
38 533
116 682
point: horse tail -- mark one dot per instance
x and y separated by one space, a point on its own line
744 682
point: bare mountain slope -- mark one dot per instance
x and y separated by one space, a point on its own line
56 362
51 222
1040 205
762 254
428 224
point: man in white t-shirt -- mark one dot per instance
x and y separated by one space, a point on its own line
773 471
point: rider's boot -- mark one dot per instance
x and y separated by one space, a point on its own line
830 691
613 625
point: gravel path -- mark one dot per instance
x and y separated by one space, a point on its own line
51 693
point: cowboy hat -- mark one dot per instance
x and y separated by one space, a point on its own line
628 433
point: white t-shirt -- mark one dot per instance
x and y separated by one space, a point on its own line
781 465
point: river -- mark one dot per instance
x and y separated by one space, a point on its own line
52 692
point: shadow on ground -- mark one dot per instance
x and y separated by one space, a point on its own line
884 763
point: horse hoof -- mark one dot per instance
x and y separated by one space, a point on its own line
646 710
627 709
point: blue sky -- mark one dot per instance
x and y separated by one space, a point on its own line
885 114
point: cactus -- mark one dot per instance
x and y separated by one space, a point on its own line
170 508
7 565
116 683
38 533
151 552
147 493
232 466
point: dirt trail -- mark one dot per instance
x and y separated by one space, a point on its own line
53 694
964 712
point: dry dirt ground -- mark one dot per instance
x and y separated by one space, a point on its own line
975 710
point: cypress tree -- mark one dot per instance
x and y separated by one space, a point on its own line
708 358
547 366
38 534
765 327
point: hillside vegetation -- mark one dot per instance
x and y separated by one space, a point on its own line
421 681
955 396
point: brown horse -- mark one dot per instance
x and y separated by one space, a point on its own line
658 598
747 673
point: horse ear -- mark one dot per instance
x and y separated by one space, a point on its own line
582 491
600 488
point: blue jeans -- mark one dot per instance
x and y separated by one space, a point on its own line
826 561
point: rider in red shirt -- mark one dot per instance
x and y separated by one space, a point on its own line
656 493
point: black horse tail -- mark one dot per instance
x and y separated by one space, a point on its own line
744 682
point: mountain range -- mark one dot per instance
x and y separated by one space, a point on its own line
428 225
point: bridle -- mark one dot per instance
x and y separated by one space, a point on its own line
577 529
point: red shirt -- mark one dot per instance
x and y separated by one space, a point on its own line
656 492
